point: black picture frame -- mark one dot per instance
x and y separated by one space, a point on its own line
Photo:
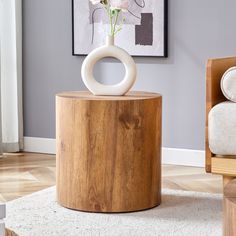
166 51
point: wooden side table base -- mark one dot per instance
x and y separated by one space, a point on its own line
108 151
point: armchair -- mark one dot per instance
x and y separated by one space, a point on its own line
221 164
224 165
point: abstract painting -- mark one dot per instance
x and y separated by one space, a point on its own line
144 32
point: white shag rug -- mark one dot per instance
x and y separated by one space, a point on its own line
181 213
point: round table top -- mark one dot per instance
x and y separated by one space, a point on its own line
85 95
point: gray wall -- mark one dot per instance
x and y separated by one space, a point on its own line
198 29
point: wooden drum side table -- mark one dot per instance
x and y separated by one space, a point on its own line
108 151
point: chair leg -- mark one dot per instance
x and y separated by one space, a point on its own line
227 179
229 206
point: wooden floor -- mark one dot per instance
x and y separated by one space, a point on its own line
26 173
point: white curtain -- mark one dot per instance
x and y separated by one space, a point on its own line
11 122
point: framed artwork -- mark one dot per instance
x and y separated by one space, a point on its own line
144 32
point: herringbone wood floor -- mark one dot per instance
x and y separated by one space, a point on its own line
22 174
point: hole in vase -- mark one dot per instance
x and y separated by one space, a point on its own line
109 71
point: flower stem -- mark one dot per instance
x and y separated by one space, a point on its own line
120 26
111 15
115 23
108 11
111 23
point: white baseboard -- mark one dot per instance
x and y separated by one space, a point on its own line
174 156
40 145
183 157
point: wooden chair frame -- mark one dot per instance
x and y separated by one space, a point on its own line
226 165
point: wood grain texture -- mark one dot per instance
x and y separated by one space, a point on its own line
18 179
224 166
85 95
227 179
230 209
215 70
10 233
109 151
24 173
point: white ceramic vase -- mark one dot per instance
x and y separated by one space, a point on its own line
109 50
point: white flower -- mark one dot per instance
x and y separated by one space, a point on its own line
120 4
113 8
95 1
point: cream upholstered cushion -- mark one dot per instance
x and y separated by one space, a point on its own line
222 129
228 84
